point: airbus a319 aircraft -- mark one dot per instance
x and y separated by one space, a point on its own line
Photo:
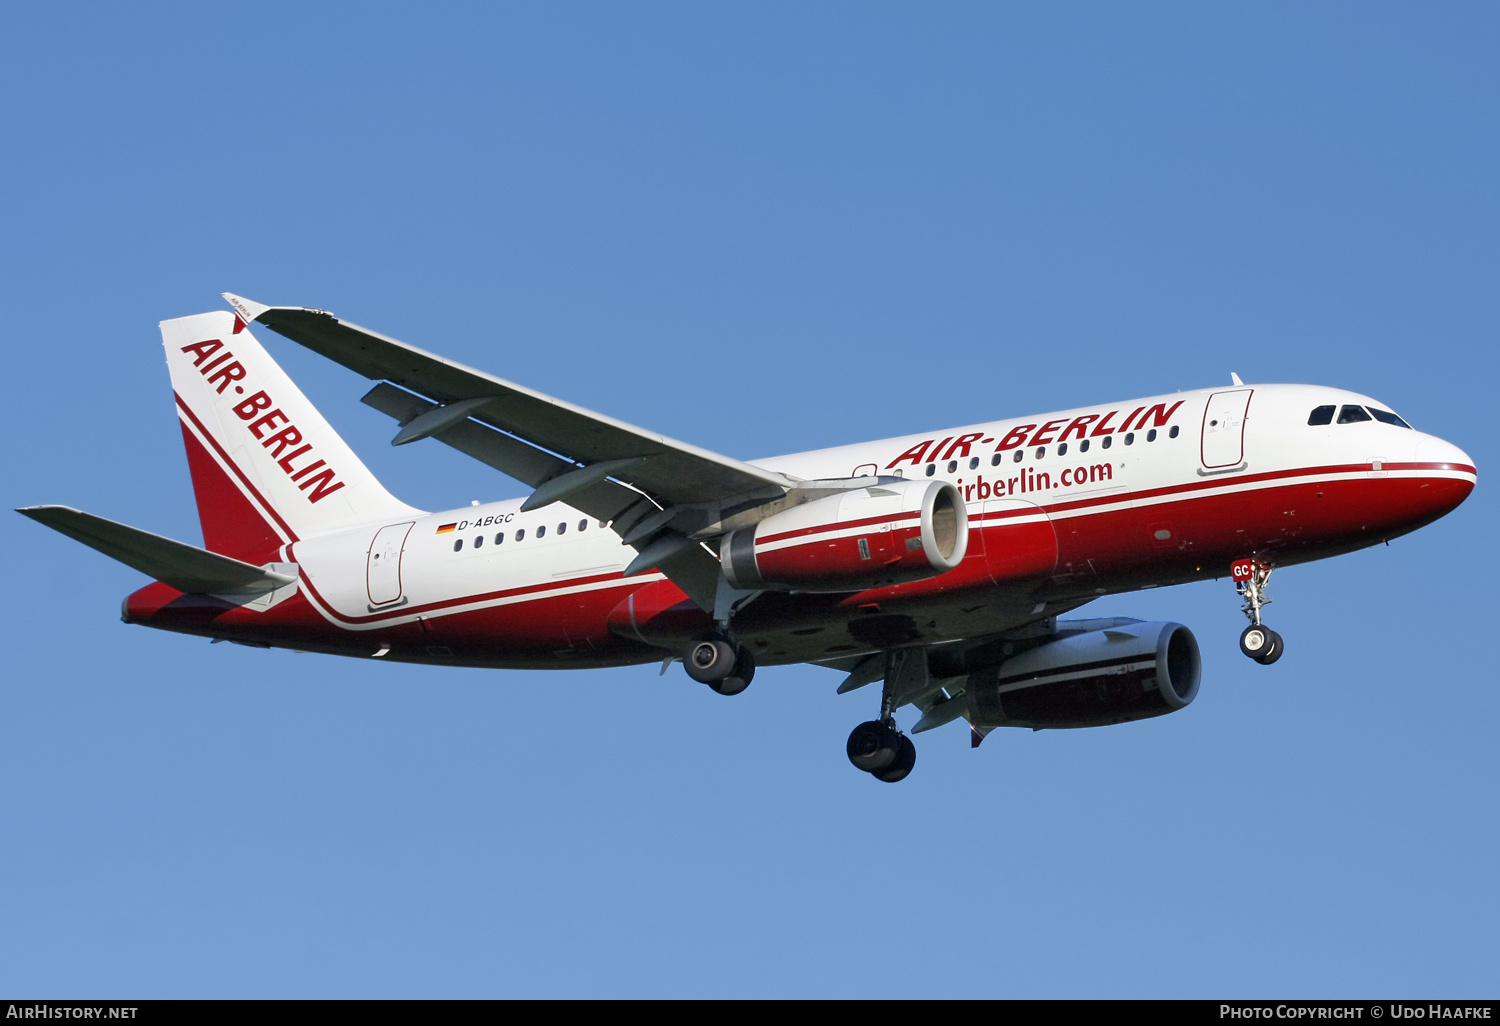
938 564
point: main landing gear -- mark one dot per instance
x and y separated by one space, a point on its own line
717 661
876 746
1258 641
882 751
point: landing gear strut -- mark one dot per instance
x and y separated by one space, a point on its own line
717 661
876 746
1258 641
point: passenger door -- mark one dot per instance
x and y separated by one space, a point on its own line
383 570
1224 429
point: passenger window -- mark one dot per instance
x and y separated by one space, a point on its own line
458 545
1173 432
1018 456
1320 416
1083 446
974 463
499 537
583 525
1062 449
479 542
931 469
1151 435
604 523
952 466
562 528
521 534
1108 441
1041 451
1130 438
995 459
1387 417
541 531
1353 415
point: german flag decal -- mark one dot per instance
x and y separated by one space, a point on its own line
446 528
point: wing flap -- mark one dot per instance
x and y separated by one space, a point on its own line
691 567
187 568
604 500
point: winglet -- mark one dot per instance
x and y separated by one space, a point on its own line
247 309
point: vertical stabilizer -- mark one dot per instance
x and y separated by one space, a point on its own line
267 468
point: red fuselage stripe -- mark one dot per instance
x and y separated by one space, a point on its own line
1025 511
445 604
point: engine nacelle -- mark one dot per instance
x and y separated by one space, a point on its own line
1129 672
882 534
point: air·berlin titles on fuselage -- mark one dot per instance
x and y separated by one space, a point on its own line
1027 435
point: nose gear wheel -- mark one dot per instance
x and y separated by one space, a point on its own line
1261 644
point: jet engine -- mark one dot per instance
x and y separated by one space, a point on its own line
887 533
1093 679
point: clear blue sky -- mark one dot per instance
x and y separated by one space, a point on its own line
764 229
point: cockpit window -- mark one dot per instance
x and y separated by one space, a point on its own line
1387 417
1352 415
1320 416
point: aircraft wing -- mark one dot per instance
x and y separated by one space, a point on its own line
655 491
187 568
673 472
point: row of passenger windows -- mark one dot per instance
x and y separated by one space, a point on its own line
541 532
1355 415
1041 451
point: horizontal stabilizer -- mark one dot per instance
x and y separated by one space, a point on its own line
187 568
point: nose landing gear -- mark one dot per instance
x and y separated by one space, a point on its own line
721 664
1257 641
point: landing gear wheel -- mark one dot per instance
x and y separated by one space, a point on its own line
709 660
1273 652
906 758
1256 641
875 746
739 677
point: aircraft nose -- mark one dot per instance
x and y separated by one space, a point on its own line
1447 476
1434 450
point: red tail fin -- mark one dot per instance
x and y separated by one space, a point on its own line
267 468
231 525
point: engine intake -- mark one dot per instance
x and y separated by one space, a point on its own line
882 534
1093 679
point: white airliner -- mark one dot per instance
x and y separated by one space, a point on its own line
936 563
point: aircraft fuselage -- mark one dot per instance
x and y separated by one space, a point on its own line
1062 508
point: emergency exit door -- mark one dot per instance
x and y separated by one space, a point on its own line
1224 428
383 571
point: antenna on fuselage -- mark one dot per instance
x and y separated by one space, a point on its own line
1235 378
